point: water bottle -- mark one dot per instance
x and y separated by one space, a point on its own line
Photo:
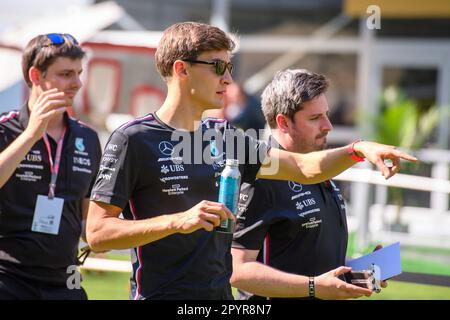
230 182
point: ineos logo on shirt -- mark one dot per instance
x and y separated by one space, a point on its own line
166 148
82 161
296 187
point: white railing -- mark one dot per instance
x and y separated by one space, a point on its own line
438 220
97 264
399 180
429 224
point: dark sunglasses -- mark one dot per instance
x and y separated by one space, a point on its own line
219 65
57 39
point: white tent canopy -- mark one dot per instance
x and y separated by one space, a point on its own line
79 18
82 21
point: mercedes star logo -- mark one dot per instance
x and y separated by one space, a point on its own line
166 148
296 187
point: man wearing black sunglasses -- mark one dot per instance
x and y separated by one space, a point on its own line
48 162
169 202
220 66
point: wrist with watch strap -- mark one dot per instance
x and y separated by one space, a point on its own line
311 288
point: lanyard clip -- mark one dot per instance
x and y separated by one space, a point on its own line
85 251
51 192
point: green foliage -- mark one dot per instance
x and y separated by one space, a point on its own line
402 122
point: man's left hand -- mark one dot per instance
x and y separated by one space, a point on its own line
377 153
384 284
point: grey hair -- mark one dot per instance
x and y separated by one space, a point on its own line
288 91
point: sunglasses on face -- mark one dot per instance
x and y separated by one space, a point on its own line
57 39
220 66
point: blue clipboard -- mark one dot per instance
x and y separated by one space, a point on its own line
387 259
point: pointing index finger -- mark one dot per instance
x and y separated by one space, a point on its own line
405 155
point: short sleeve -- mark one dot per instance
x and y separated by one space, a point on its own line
250 151
96 161
3 138
251 223
117 175
256 153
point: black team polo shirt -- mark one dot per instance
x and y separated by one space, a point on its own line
298 228
141 173
40 256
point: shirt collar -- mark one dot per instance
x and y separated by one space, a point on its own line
24 116
274 143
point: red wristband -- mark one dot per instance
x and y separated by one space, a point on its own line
352 153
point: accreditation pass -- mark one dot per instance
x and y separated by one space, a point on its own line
47 215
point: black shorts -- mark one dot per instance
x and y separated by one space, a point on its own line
15 288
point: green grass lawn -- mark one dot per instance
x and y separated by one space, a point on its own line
423 266
106 285
115 285
410 291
